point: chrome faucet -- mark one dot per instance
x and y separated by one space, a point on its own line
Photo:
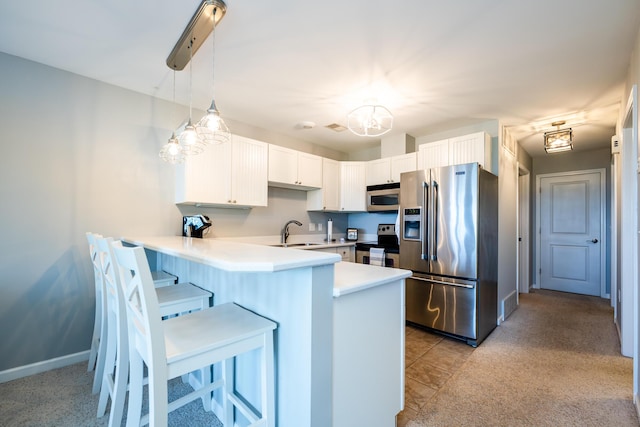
285 230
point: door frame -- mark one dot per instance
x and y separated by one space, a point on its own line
604 235
524 221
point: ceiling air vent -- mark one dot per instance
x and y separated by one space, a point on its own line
336 127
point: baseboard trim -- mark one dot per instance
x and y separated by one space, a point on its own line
44 366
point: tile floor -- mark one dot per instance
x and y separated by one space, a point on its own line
430 360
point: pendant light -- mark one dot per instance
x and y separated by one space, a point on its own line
211 128
172 151
190 140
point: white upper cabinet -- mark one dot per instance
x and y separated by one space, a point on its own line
232 174
473 148
433 154
353 187
402 163
328 197
294 169
388 170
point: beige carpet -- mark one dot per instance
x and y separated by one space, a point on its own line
554 362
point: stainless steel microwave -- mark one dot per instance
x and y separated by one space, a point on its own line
383 197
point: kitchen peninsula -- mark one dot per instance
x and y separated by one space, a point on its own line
340 337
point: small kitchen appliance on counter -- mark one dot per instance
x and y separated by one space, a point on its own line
386 249
352 234
195 225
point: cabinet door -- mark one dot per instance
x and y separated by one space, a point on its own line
283 165
309 170
249 172
353 189
468 149
400 164
433 154
346 252
326 198
378 171
205 178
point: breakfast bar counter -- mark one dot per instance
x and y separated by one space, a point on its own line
337 322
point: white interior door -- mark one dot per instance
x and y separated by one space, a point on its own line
571 232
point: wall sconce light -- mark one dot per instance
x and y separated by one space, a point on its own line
370 120
558 140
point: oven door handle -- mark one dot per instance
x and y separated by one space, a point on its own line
442 282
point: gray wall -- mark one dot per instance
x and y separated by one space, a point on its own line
79 155
566 162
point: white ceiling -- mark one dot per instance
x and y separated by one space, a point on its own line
435 64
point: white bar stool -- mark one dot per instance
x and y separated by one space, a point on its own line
183 344
176 299
97 354
100 303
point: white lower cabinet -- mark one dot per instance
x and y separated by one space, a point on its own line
348 253
232 174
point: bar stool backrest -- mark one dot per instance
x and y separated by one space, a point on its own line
143 312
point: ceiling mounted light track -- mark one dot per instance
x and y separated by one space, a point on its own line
196 32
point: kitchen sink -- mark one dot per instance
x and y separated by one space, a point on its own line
295 245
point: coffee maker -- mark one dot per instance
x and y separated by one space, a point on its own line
195 225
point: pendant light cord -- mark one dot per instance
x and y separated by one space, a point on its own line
213 55
190 77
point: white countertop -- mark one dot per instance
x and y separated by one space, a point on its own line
351 277
234 256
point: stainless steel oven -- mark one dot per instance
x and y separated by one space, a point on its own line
390 259
387 240
383 198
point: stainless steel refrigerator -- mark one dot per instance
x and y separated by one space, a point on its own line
449 239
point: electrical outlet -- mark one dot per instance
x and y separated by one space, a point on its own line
319 226
312 226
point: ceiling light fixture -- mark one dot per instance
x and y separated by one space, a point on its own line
172 152
370 120
190 140
558 140
211 128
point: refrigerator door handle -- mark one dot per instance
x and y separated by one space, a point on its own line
424 233
441 282
434 221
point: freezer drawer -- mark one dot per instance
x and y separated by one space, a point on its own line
447 307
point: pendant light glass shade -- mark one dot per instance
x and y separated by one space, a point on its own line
172 151
211 128
191 142
370 120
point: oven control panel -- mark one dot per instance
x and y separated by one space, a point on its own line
386 229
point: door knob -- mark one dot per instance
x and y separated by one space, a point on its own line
593 240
